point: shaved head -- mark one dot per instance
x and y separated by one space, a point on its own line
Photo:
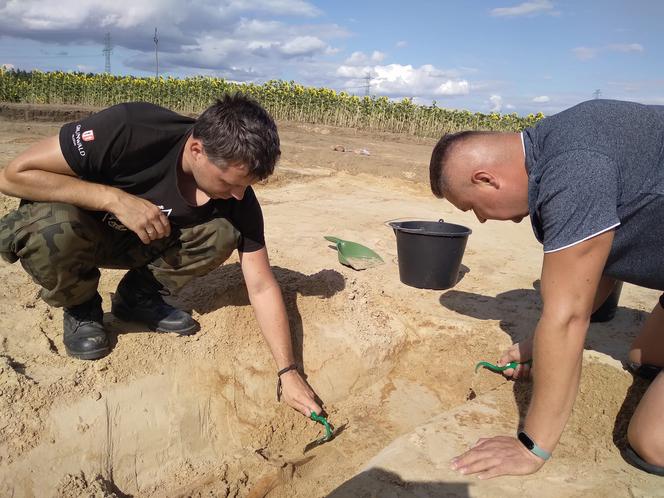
439 176
482 171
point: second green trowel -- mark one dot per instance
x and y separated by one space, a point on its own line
355 255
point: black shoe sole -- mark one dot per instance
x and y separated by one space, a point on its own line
188 331
89 355
126 315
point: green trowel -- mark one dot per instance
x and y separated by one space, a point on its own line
355 255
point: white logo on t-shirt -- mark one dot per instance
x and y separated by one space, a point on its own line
76 140
111 220
166 211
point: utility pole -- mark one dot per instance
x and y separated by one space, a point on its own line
156 52
108 50
597 93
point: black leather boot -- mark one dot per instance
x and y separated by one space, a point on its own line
138 299
84 334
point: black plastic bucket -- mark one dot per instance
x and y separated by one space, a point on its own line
430 252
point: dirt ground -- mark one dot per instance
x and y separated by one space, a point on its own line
168 416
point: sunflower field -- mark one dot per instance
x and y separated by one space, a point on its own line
284 100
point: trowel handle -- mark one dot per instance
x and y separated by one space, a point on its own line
498 368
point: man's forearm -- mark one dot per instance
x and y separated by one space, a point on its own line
557 358
272 319
45 186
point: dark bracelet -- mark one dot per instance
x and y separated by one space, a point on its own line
293 366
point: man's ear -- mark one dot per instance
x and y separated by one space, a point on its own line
196 146
485 178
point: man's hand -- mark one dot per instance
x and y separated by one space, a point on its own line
297 393
141 217
521 352
497 456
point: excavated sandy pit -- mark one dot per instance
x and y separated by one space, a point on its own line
196 416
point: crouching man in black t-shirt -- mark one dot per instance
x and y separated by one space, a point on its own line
139 187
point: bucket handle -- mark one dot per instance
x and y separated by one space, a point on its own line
388 223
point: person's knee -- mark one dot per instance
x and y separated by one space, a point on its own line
642 439
200 249
648 346
225 235
217 238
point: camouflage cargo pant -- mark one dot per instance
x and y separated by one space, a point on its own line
62 248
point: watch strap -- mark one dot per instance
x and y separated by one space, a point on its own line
532 446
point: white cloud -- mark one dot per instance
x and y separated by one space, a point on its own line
398 80
51 15
228 37
496 102
625 47
279 7
258 27
584 53
533 7
7 67
450 87
401 44
356 58
360 58
353 71
302 45
377 56
542 99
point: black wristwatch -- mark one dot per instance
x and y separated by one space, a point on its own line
531 446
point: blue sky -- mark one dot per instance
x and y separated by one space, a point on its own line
498 55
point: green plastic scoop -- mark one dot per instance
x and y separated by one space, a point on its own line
498 368
355 255
330 431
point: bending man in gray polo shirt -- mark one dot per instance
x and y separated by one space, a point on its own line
591 178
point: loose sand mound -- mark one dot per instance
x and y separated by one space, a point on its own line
196 416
